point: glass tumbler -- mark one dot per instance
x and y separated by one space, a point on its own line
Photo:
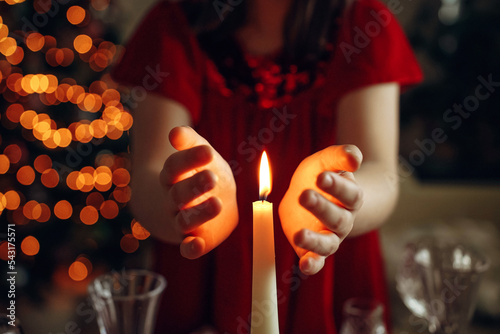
438 280
363 316
126 302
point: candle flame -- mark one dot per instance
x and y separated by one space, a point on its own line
264 177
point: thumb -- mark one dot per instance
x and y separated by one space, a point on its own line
341 158
185 137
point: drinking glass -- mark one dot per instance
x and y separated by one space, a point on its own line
438 280
362 316
127 302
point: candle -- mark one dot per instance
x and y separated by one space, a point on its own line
264 319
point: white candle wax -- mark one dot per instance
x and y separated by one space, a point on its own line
264 319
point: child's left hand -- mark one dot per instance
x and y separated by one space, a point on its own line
318 209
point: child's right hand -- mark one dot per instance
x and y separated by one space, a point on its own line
200 193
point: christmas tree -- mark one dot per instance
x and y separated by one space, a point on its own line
64 166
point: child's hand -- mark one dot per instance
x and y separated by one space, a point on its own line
329 198
200 191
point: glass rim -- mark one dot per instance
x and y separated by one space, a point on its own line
481 264
362 306
158 289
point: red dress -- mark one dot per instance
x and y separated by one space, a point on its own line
239 121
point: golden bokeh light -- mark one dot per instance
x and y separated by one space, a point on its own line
13 200
82 43
85 180
16 57
121 177
14 153
27 118
42 163
30 245
75 15
50 178
103 175
8 46
129 244
98 128
35 41
138 231
3 202
4 32
62 137
45 213
49 43
71 180
32 210
95 199
89 215
110 97
4 164
82 133
122 194
85 260
14 112
109 209
63 210
75 94
78 271
25 175
50 113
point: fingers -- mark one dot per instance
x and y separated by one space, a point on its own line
192 247
337 219
342 188
182 162
185 137
311 263
341 158
322 243
317 246
185 191
214 229
187 220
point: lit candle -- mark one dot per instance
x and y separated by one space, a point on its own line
264 318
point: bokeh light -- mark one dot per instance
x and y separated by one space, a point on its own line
82 43
75 15
50 178
42 163
4 164
30 246
109 209
13 200
63 209
14 153
129 244
32 210
35 41
78 271
89 215
25 175
138 231
63 123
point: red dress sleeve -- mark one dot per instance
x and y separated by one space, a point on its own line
163 57
371 48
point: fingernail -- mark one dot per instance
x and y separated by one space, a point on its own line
326 181
312 200
307 267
